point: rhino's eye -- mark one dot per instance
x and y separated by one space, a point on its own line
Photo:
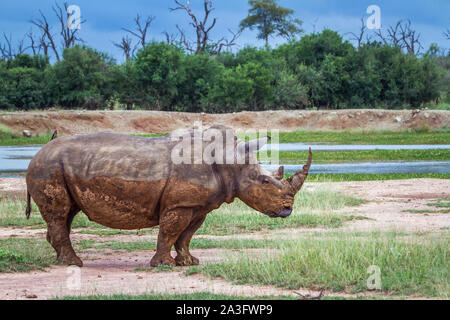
264 179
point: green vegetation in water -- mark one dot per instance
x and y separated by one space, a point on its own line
367 155
342 262
419 136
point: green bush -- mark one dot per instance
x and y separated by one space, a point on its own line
319 70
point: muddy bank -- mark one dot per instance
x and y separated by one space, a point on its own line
77 122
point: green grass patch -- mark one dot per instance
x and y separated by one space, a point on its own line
427 211
312 209
419 136
341 263
182 296
22 255
12 214
10 138
368 155
441 203
325 177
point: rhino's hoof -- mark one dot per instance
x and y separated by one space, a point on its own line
187 260
71 261
166 261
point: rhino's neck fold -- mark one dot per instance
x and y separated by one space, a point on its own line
228 181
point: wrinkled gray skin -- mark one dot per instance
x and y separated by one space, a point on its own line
127 182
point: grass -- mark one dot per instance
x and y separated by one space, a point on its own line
324 177
341 263
182 296
369 155
427 211
10 138
22 255
312 209
419 136
12 214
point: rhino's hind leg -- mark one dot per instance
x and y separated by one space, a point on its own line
58 236
171 225
184 257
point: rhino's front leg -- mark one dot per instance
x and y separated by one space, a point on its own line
184 257
171 225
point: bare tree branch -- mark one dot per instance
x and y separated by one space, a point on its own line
202 27
69 36
447 34
45 28
8 50
126 45
410 38
360 36
142 29
402 36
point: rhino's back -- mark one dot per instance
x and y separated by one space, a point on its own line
107 155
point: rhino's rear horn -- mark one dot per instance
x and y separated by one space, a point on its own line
279 173
299 177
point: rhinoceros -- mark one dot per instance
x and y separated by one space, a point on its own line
129 182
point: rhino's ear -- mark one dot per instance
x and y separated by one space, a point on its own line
279 173
255 145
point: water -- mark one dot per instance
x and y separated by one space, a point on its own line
371 167
14 160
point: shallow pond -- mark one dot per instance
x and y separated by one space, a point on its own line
14 160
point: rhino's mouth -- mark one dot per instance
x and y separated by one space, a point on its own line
285 212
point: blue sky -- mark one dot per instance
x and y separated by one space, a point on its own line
105 18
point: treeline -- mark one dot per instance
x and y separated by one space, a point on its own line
320 70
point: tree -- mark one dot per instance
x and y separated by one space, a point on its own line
47 39
159 72
403 36
141 29
202 27
270 19
82 79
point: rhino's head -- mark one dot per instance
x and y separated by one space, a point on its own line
267 191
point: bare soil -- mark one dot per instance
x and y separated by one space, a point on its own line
81 122
113 272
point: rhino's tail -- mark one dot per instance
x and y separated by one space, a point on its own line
28 209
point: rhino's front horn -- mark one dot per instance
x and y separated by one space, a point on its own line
299 177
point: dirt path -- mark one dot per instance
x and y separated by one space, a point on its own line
81 122
108 272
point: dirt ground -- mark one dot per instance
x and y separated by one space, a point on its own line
114 272
81 122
